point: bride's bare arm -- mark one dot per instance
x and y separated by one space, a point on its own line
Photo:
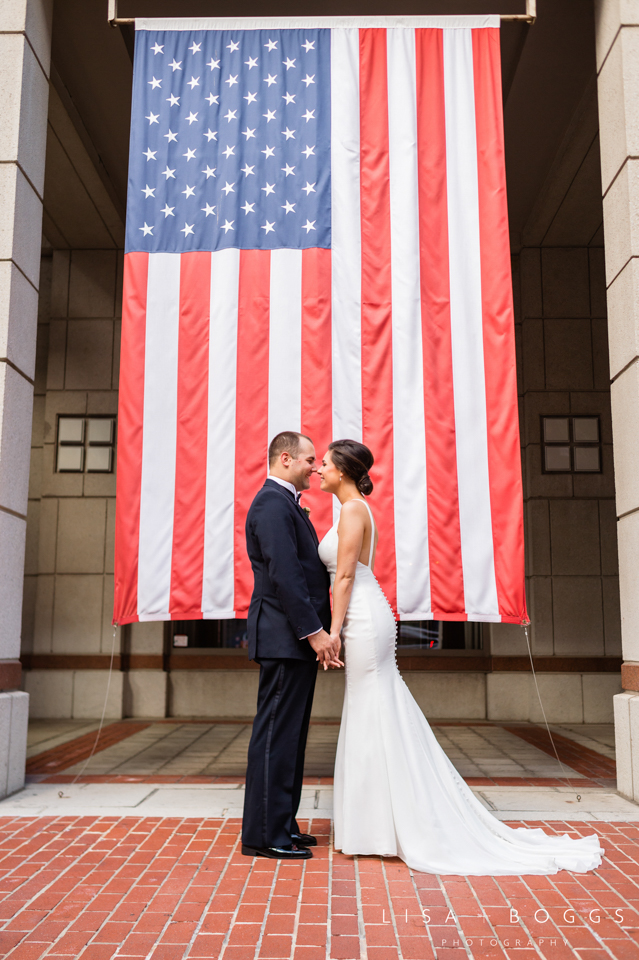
352 526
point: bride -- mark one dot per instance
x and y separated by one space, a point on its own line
396 792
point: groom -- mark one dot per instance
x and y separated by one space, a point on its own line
288 620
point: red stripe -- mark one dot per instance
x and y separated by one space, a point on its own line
444 537
377 360
130 420
251 438
504 458
187 559
316 373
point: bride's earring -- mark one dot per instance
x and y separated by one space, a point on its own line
340 478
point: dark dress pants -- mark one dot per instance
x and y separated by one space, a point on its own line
276 751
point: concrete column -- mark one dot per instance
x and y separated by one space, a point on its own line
617 40
25 44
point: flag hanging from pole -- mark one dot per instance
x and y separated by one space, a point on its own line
317 240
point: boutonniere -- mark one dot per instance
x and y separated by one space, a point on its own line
307 511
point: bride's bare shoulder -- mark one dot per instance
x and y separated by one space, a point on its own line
352 511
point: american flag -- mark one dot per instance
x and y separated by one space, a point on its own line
317 240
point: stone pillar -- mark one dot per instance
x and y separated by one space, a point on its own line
617 41
25 43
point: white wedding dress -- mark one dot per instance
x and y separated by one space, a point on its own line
396 793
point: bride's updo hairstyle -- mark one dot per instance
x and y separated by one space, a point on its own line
354 460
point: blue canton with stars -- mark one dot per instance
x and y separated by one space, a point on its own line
230 141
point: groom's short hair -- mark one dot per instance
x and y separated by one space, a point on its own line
288 442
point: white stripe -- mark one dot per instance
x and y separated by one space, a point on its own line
219 515
157 494
480 589
409 431
285 343
346 256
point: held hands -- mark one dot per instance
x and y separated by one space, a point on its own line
327 648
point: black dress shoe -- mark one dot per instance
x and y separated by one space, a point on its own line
278 853
303 840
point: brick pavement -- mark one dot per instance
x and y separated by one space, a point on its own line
172 888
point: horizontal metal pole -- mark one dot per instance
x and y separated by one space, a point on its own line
528 17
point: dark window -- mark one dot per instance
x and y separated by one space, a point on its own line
571 444
418 634
439 635
209 633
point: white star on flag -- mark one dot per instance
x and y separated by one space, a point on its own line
309 115
269 188
146 229
310 188
189 154
268 227
210 135
210 171
212 99
228 225
153 118
192 118
176 65
248 208
208 209
308 226
232 46
288 207
308 80
156 48
308 151
270 115
169 174
247 171
269 152
309 45
186 229
251 62
232 80
171 136
289 97
288 63
167 211
195 47
190 192
288 170
251 97
230 151
231 115
213 64
288 134
270 79
228 188
193 82
174 101
155 83
148 191
271 45
149 154
248 133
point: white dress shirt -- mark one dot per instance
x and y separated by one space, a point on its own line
289 486
286 484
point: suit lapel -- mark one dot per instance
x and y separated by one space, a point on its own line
289 495
308 520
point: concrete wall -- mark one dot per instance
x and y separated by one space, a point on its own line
69 557
570 519
25 43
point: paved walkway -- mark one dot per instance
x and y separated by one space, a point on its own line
137 854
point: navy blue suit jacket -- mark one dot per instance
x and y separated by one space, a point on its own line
291 593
